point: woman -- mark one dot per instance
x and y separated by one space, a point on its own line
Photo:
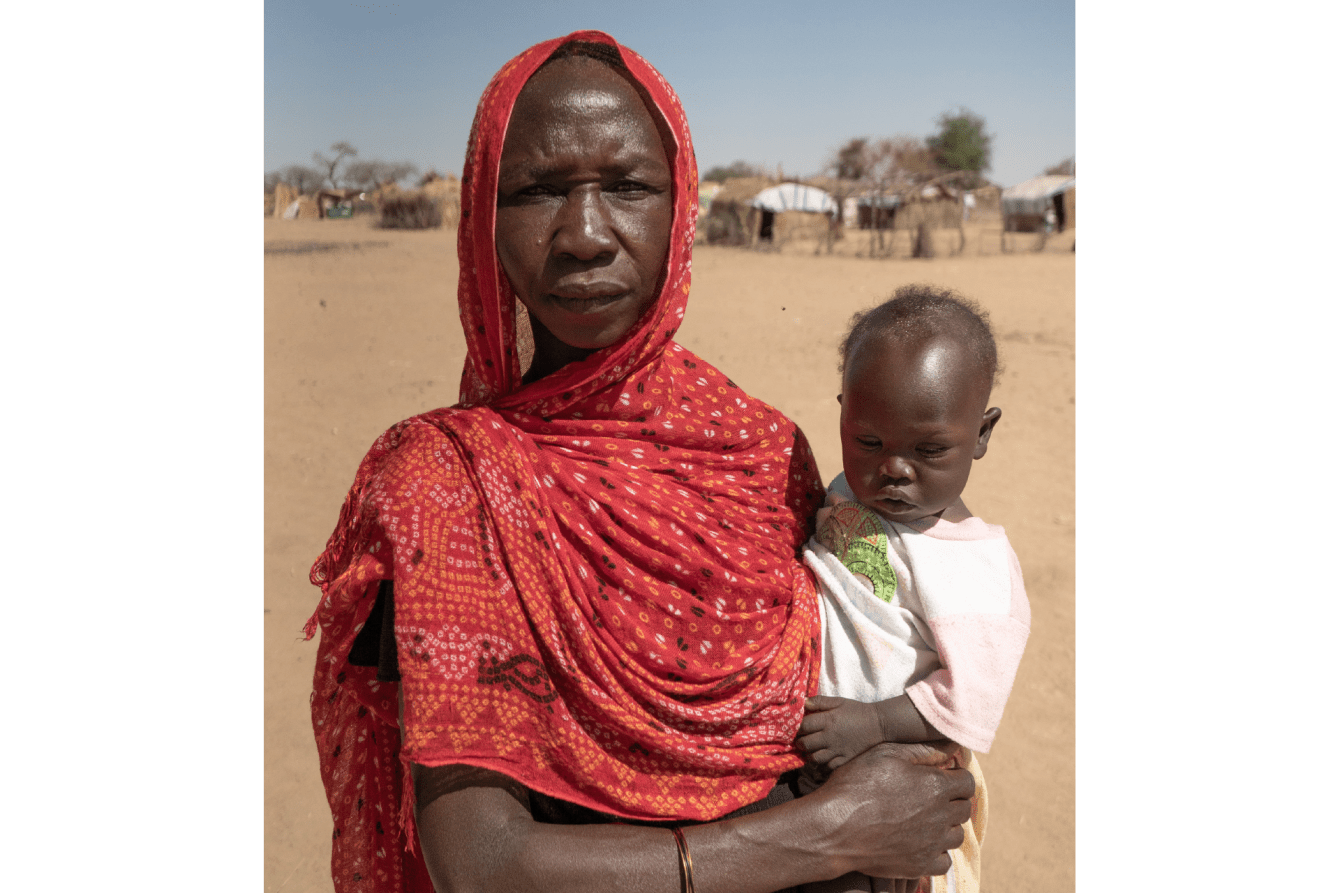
583 579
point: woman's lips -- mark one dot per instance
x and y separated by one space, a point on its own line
585 302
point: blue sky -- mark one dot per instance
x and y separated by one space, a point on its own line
770 83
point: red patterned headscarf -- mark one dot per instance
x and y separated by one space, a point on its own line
596 584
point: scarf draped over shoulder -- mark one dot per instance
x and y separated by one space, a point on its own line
597 590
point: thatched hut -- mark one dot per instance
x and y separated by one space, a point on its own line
1033 204
729 220
304 207
285 195
446 189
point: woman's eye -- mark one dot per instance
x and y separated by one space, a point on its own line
629 187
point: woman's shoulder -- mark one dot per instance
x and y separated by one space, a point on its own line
432 426
423 443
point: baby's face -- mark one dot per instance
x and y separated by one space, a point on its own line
914 418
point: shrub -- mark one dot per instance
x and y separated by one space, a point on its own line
410 210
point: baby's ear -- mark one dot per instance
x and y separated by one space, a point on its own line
989 419
839 399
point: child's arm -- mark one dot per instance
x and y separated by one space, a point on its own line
837 729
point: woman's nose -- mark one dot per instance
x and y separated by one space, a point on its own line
583 226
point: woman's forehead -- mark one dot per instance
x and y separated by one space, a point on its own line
578 106
576 84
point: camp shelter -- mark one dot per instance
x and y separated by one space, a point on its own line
911 206
789 209
938 205
1025 208
876 210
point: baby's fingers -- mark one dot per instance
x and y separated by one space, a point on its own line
822 702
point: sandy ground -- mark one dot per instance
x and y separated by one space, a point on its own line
361 330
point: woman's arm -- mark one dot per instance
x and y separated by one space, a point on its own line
879 814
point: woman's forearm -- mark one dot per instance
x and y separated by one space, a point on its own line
882 815
481 839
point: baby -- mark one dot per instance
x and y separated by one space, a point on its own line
924 612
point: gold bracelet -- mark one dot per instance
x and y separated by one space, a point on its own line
685 861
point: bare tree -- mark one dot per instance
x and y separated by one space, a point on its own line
1065 168
342 151
273 179
849 161
895 169
734 169
368 174
302 178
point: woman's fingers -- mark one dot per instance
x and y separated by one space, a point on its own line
823 755
812 724
908 816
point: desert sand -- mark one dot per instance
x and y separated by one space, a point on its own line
361 330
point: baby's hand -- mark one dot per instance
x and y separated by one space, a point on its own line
836 729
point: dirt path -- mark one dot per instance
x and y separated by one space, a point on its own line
361 330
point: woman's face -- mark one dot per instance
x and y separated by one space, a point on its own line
585 206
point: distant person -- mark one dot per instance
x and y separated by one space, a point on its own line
925 616
566 634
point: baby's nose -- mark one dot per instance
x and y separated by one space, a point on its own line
897 468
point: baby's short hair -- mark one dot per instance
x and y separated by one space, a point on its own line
919 311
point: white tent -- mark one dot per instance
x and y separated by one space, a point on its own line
794 197
1033 196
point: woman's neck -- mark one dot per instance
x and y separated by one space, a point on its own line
550 353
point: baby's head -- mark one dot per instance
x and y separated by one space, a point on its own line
917 372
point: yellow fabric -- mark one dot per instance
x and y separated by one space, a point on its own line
967 859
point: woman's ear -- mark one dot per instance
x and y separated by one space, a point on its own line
989 419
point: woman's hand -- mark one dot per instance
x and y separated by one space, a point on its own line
879 814
894 818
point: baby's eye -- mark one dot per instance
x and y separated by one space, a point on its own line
870 443
932 450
